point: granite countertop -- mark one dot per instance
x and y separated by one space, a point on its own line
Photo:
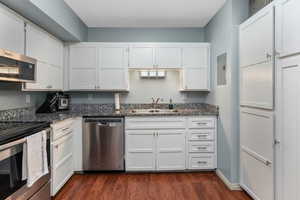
199 109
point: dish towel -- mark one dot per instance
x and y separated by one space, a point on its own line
35 164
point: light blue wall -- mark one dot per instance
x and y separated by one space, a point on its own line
12 97
52 15
145 35
222 33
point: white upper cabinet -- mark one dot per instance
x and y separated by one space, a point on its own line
287 27
43 47
168 57
83 66
142 56
98 66
12 35
195 57
257 38
83 57
113 68
49 53
195 75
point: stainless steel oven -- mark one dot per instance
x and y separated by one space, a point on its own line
11 184
16 67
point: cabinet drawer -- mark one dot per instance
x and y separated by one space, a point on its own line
62 128
61 149
201 147
202 134
201 161
201 123
155 123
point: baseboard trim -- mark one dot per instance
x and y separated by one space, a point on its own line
231 186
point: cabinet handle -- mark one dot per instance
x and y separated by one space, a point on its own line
202 136
201 123
56 146
202 162
268 56
202 148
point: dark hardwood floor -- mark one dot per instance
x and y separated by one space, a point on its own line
161 186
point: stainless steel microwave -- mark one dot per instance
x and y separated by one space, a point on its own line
16 67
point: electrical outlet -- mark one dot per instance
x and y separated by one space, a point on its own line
27 98
90 97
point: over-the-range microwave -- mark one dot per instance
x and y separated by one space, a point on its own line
16 67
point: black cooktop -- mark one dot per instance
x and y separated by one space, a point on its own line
14 130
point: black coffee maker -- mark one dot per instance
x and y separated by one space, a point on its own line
52 103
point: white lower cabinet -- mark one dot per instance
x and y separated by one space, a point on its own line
153 144
61 154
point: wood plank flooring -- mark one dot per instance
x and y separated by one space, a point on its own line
160 186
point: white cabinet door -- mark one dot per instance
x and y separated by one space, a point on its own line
113 56
142 57
256 38
83 57
257 166
12 32
257 85
195 57
48 77
83 66
168 57
287 27
140 150
83 79
195 79
289 120
170 150
113 79
62 162
113 67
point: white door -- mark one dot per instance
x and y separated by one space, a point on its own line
195 79
113 79
257 85
195 57
113 67
83 79
170 150
142 57
256 38
140 150
256 143
168 57
287 27
11 32
83 66
55 77
289 128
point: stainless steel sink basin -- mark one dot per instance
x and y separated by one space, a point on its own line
152 111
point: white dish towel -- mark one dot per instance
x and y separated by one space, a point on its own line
35 164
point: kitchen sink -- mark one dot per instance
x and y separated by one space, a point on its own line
152 111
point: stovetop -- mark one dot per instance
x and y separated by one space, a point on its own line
14 130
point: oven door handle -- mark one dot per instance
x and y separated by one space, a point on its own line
12 144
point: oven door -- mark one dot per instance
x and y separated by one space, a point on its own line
11 162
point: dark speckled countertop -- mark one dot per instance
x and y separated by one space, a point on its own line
126 111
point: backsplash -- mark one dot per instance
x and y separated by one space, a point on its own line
16 113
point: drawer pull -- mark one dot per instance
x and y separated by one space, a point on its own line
202 162
56 146
65 129
202 123
202 136
202 148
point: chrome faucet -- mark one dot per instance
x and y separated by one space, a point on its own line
155 102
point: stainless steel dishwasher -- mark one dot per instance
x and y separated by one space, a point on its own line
103 144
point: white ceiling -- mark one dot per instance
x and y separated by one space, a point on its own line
145 13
